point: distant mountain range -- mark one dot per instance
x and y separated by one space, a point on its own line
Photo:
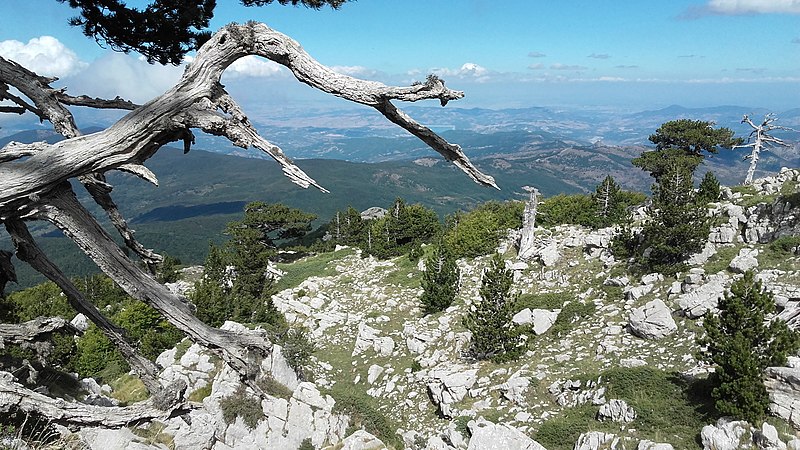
365 161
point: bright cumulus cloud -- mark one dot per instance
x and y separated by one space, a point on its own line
253 67
44 55
467 70
129 77
754 6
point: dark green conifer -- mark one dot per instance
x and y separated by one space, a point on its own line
742 343
440 281
494 335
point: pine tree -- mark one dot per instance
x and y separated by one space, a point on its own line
709 190
440 280
494 335
677 228
743 343
607 203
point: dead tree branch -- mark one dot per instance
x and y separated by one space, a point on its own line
34 177
33 330
760 139
29 251
14 396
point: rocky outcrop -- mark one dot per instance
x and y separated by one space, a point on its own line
747 259
616 411
539 319
597 440
450 385
783 385
652 321
700 294
490 436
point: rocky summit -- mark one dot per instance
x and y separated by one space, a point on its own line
611 363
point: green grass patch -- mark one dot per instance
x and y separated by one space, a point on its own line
128 389
719 261
571 314
154 434
364 413
669 409
400 275
318 265
561 432
198 395
542 301
240 404
181 348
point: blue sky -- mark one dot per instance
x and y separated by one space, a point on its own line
627 54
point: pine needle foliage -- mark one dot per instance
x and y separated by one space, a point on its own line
742 342
494 335
440 281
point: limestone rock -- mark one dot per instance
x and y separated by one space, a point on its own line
650 445
80 322
783 385
704 298
450 385
596 440
368 337
744 261
616 411
652 321
489 436
725 435
541 319
361 440
515 389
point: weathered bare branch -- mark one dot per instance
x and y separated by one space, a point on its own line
94 102
37 88
759 139
241 351
15 397
29 251
33 330
100 191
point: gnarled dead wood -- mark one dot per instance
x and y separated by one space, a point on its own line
242 352
32 330
34 177
15 397
29 251
759 139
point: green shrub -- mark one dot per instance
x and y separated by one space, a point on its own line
440 281
297 348
709 190
785 245
272 387
364 413
571 314
494 335
306 445
742 344
240 404
479 231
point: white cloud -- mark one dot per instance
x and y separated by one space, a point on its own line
467 70
538 66
599 56
536 55
739 7
129 77
559 66
254 67
44 55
